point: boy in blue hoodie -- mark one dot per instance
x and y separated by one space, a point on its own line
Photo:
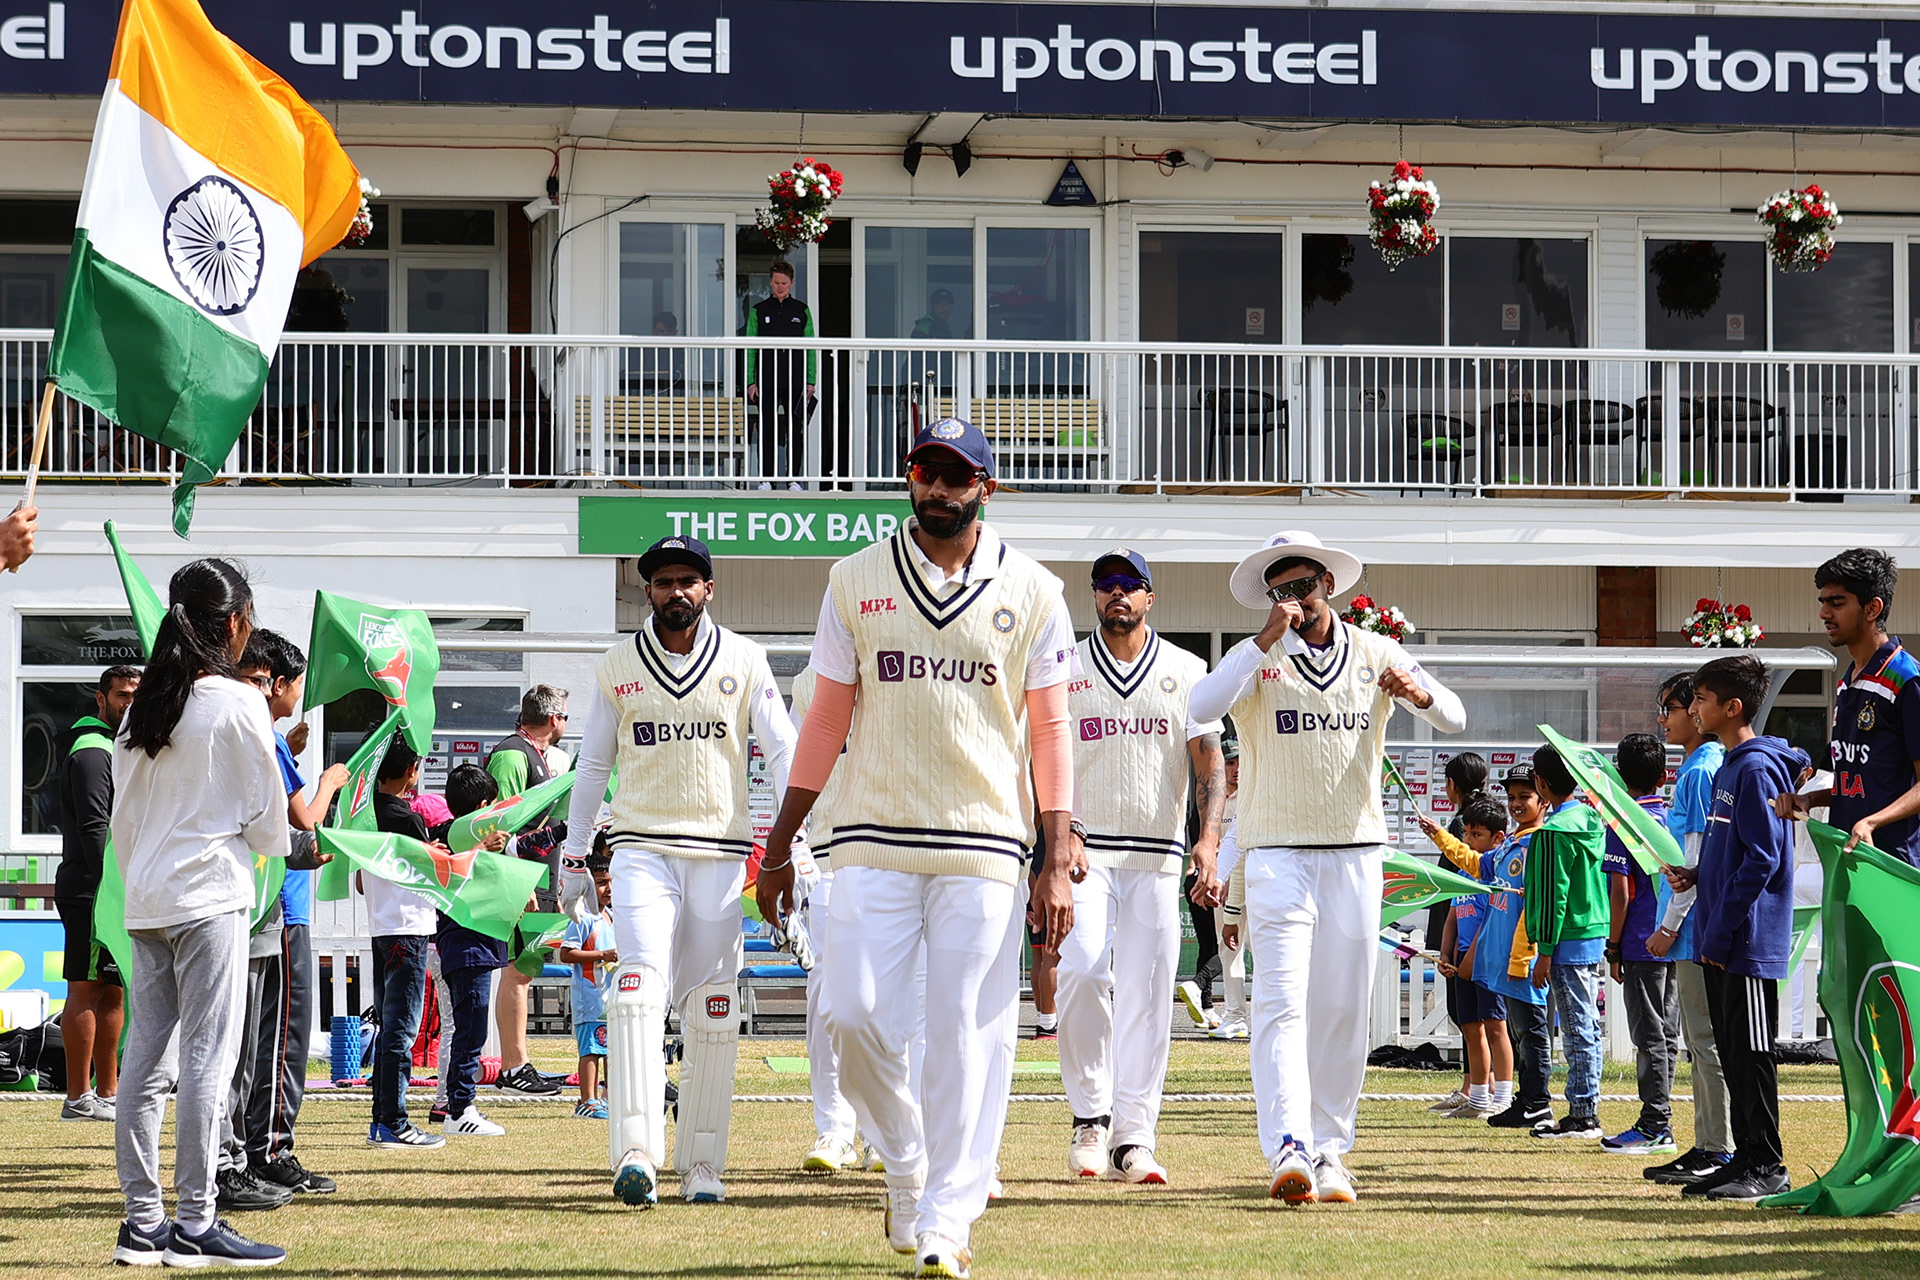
1743 918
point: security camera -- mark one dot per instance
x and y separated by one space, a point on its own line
1191 158
540 207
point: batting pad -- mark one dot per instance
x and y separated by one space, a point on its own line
636 1064
710 1029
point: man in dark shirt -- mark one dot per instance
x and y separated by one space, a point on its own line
782 382
1876 711
93 1015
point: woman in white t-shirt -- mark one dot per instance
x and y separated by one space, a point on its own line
197 793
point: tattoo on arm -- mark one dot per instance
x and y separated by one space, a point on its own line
1209 782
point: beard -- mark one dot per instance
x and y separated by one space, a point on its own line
1121 624
945 520
678 615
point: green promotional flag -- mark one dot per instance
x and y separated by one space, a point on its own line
110 917
1390 777
363 646
355 804
1643 836
145 603
486 892
1804 919
541 930
1870 987
1412 884
511 814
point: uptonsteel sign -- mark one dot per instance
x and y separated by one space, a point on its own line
1041 59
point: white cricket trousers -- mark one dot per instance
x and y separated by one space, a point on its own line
1116 998
970 927
1313 924
680 916
832 1113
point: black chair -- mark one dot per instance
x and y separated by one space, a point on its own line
1243 413
1523 424
1436 449
1593 424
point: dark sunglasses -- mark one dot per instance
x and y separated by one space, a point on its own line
1125 583
954 475
1298 589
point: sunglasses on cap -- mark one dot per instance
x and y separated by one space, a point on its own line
952 472
1298 589
1125 583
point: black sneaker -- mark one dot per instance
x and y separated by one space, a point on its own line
1746 1186
289 1173
1571 1126
1728 1172
240 1192
436 1115
1689 1168
1522 1116
524 1079
221 1246
137 1248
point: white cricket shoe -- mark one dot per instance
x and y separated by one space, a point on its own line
830 1155
1292 1176
1203 1015
1087 1153
1231 1029
471 1124
873 1162
1332 1183
1137 1165
636 1181
701 1185
940 1256
903 1212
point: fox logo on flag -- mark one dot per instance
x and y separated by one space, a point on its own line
448 865
1399 886
391 679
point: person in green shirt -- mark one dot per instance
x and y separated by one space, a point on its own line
781 382
1568 916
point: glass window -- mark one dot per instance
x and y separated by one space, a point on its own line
919 282
78 640
477 708
1706 295
1347 295
449 299
1210 286
1037 284
1517 292
48 709
457 661
753 259
1846 305
342 295
672 279
38 221
30 289
467 228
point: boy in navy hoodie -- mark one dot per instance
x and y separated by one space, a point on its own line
1744 918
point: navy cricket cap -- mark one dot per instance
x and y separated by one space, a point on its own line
676 550
957 437
1122 560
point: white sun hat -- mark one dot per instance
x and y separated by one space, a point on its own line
1249 581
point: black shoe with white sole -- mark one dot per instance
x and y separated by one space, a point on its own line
1572 1127
1522 1115
239 1191
289 1173
221 1246
1691 1167
137 1248
1731 1171
524 1079
1754 1184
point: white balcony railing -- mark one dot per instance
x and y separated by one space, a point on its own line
1100 416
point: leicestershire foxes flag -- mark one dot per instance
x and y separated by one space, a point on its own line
1640 833
364 646
210 184
355 812
511 814
486 892
1411 884
1870 988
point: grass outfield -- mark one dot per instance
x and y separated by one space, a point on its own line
1437 1197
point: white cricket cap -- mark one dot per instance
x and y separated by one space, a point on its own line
1249 581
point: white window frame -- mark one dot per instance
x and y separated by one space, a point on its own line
395 255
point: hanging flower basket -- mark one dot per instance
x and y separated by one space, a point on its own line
797 201
1800 228
1387 621
363 220
1401 211
1713 625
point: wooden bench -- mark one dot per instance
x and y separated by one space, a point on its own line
1036 422
670 431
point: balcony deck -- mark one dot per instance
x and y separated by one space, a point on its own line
1100 417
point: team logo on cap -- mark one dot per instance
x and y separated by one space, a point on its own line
728 685
947 430
675 543
1003 619
1168 684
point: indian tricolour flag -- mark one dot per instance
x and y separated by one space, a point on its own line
211 183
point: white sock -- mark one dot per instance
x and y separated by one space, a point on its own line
1503 1093
1478 1094
1046 1021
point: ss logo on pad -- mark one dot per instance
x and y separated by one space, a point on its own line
719 1006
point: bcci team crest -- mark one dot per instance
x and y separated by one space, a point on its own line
948 429
1865 718
1366 674
729 686
1168 684
1002 617
215 245
1882 1018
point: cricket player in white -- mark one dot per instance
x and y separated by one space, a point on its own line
673 708
1311 696
1134 749
958 649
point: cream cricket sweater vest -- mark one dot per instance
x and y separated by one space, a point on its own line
938 764
682 744
1313 731
1130 753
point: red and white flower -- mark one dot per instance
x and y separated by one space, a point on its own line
1800 228
798 199
1401 213
1388 621
1713 625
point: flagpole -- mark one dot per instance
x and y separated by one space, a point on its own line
39 446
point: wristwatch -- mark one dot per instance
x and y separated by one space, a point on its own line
1078 828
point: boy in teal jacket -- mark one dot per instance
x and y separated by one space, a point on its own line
1568 914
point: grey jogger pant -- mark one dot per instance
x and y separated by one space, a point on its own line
1712 1112
188 988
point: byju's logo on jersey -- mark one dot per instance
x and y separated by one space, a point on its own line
1094 728
897 667
653 733
1290 721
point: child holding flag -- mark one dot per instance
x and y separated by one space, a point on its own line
1480 1014
589 948
467 961
1501 958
